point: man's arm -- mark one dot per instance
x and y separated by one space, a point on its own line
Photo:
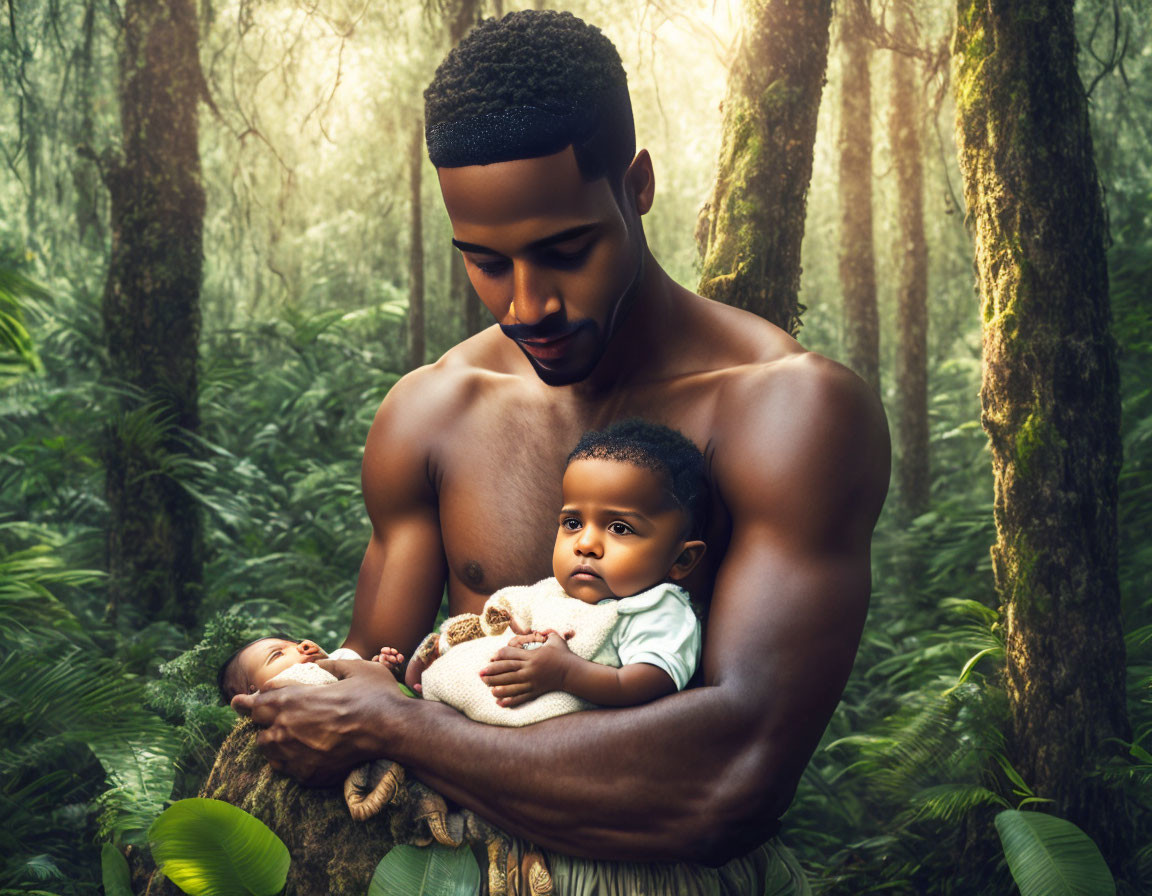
397 593
402 575
703 774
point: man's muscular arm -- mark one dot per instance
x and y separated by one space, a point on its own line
310 731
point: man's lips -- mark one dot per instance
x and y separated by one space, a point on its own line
547 349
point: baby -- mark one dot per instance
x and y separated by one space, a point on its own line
611 629
286 659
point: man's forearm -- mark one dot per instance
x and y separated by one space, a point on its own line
677 779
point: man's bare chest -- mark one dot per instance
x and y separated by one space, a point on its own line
499 484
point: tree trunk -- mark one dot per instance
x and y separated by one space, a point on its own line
416 252
1050 398
857 264
151 314
904 128
755 218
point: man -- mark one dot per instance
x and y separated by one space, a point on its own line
530 128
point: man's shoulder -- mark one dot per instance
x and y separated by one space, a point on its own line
440 391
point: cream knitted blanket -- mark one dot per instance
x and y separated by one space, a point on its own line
454 678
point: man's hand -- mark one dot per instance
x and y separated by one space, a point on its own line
517 675
316 734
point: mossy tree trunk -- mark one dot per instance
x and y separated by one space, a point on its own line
857 251
906 115
1050 398
416 249
755 219
151 314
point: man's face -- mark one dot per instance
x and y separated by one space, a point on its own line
620 531
551 255
268 657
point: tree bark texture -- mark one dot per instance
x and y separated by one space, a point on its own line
416 251
151 314
755 218
905 124
857 250
1050 397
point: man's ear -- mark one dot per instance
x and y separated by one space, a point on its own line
640 182
686 560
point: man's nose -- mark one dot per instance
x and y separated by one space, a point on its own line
533 297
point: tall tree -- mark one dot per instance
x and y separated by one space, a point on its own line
754 221
151 313
904 130
416 250
857 251
1050 397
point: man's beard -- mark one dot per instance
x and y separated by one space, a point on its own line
555 326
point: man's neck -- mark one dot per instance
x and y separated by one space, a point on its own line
636 344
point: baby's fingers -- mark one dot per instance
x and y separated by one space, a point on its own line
501 667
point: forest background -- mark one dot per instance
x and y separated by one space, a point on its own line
324 237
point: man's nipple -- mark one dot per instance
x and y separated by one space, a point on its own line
474 575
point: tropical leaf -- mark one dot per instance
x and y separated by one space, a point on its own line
211 848
431 871
114 873
1050 856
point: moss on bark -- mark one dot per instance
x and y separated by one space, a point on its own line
1050 397
754 222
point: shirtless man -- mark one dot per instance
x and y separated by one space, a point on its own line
463 463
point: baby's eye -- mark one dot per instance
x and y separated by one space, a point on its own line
276 654
570 523
619 528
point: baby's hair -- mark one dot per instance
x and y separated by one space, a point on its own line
230 679
660 449
529 85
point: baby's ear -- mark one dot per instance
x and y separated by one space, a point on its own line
690 554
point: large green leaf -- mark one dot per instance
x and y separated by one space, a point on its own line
1049 856
431 871
114 872
211 848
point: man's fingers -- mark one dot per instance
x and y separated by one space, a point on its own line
343 668
243 704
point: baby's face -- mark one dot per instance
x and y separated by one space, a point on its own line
269 657
620 530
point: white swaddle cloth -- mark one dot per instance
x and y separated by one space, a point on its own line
310 673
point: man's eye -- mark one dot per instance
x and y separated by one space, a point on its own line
620 529
571 259
491 268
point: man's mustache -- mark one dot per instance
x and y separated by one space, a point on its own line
555 326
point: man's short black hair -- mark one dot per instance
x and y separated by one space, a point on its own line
660 449
230 678
529 85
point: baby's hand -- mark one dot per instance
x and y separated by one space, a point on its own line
390 657
517 676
